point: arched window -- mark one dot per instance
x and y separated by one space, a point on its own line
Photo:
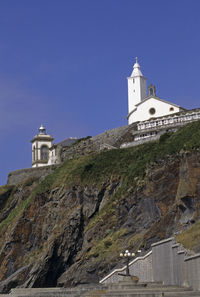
44 153
152 90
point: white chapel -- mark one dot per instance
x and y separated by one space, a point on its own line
143 106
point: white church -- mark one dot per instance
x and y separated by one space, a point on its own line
143 106
144 109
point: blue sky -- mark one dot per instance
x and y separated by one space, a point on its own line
64 63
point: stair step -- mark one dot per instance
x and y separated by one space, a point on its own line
137 287
156 289
182 294
159 294
121 289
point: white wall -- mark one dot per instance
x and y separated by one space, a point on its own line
38 144
52 157
142 112
131 104
137 90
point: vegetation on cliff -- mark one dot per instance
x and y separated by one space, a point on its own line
90 208
190 238
127 163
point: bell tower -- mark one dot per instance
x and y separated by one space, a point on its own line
41 143
137 87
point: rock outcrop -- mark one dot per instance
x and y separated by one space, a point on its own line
69 228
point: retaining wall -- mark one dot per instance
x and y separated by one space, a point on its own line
106 140
16 177
192 271
167 262
141 266
163 261
180 264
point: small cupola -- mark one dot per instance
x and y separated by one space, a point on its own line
42 130
136 69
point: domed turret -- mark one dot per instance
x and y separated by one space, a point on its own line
136 69
42 130
41 144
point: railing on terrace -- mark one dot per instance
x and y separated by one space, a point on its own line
171 120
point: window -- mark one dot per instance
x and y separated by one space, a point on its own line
44 153
171 109
152 111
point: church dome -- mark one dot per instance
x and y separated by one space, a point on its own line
136 69
136 65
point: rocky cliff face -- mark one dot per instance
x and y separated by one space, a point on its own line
70 227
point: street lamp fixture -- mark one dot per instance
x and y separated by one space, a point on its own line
128 256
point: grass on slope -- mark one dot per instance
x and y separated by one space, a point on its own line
128 165
15 212
108 245
190 238
6 188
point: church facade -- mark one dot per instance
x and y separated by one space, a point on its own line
143 106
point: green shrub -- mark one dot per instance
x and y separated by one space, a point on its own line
190 238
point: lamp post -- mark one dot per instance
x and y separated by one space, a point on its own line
128 255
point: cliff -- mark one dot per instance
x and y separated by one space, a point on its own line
69 227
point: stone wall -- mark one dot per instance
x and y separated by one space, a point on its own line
192 271
15 177
180 268
108 140
177 278
172 265
85 147
145 140
162 261
113 136
122 137
141 266
166 262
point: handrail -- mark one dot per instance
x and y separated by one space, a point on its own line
123 268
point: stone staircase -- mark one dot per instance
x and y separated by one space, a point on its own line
152 289
126 288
